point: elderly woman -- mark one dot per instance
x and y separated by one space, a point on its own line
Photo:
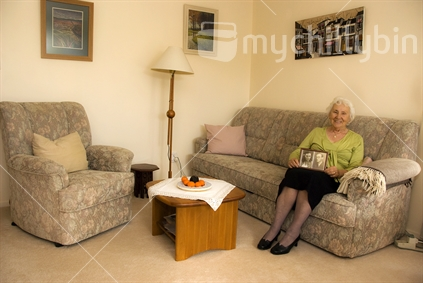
302 189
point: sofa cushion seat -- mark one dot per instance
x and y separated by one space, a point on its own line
89 188
336 209
262 179
252 175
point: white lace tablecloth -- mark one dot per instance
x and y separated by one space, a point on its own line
214 196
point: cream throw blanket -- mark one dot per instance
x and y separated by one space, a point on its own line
373 180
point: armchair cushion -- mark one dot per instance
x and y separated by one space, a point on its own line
89 188
67 151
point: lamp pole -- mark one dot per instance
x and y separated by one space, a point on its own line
170 114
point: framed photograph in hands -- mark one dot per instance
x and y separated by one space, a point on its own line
313 159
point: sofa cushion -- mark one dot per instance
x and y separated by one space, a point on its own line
272 134
89 188
250 174
258 123
67 151
289 130
226 139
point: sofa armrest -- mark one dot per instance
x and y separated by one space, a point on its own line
396 169
200 145
109 158
29 168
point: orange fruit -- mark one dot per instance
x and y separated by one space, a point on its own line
184 178
191 184
198 184
185 182
202 182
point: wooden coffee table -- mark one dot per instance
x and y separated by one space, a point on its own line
198 227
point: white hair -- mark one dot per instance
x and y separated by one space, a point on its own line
340 100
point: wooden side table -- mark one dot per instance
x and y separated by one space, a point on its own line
143 174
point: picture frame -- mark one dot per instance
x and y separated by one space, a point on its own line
67 30
336 34
313 159
200 30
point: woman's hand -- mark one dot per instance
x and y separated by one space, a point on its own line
333 172
293 163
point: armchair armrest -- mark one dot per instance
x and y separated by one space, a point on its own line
200 145
109 158
27 165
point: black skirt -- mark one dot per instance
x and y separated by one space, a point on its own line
316 183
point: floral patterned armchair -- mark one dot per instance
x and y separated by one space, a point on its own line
50 202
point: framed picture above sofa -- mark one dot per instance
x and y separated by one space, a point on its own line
199 30
340 33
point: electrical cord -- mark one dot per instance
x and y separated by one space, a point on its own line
181 171
177 160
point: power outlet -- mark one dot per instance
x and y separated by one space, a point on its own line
174 157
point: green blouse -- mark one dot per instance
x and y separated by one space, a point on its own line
346 153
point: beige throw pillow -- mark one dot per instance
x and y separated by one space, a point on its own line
226 140
67 151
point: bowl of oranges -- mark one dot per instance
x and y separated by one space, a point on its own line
193 184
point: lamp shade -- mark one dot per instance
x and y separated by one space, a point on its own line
173 59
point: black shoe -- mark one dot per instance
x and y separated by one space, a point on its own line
278 249
266 244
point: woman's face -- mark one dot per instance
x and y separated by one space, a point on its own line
339 116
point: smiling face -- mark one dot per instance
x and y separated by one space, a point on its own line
339 116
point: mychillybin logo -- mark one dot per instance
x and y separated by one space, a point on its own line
217 44
221 43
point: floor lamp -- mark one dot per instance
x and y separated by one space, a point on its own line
173 61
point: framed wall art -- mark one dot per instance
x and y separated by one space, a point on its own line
335 34
199 30
67 30
313 159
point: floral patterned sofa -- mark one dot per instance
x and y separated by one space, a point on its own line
347 225
46 200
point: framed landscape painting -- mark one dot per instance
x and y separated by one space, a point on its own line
67 29
330 35
199 30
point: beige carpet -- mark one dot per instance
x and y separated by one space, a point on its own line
131 254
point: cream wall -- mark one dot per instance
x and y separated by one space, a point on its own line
126 101
383 85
